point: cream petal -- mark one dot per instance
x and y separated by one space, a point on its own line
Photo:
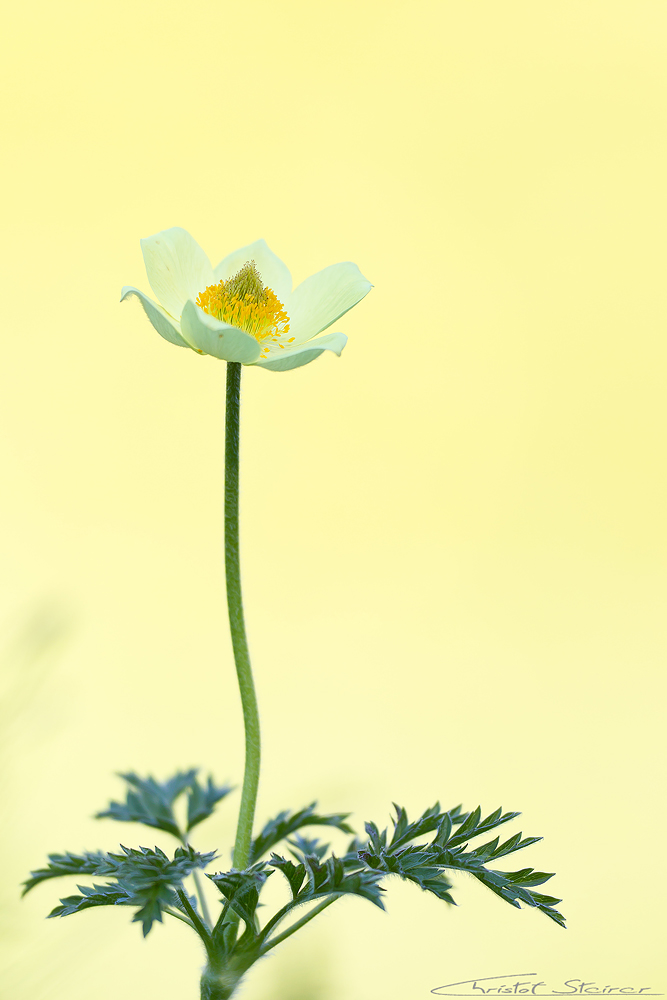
177 268
163 323
221 340
273 272
323 298
283 361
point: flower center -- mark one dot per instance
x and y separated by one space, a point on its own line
244 302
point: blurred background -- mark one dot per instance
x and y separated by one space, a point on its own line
453 537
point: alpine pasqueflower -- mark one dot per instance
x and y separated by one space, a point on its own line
244 309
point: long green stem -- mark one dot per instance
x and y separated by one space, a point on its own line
236 620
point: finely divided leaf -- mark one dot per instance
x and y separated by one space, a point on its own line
295 874
473 827
377 840
306 846
491 850
469 825
512 887
202 799
431 819
286 823
147 879
150 802
65 864
151 879
415 865
515 843
425 864
145 866
96 895
241 889
334 876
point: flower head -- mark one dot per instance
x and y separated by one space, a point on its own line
244 309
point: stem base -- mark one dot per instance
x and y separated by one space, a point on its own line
218 985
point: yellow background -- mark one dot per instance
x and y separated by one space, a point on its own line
453 536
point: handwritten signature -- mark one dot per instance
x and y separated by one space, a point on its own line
523 984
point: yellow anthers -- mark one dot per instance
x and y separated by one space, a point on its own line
244 302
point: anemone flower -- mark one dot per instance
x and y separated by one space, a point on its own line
244 310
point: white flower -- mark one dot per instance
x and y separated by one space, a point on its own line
244 309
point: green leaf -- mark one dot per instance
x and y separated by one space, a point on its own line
515 843
528 876
335 876
553 914
377 840
307 846
286 823
541 899
491 850
473 827
150 878
145 866
511 886
295 874
444 830
96 895
146 879
241 889
150 802
203 799
65 864
331 878
469 825
431 819
425 864
415 865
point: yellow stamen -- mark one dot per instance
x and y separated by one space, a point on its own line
244 302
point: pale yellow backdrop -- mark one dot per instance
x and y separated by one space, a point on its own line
454 540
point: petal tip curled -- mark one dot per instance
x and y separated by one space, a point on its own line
303 354
323 298
160 320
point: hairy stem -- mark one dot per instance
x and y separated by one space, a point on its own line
196 922
219 982
236 620
202 899
198 886
272 942
179 916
